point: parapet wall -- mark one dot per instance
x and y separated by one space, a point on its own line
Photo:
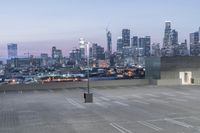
68 85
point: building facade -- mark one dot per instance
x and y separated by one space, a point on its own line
126 37
194 44
12 50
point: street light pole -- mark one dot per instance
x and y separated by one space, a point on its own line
88 96
88 65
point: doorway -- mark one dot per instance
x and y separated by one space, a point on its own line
186 77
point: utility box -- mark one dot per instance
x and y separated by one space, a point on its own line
88 97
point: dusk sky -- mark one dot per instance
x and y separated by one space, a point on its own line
37 25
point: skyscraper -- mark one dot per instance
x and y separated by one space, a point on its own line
167 35
194 38
174 37
56 53
119 44
134 41
126 37
12 50
170 41
109 42
147 46
82 47
194 44
97 52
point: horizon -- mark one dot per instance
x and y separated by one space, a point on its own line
43 24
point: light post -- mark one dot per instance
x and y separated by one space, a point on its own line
88 96
88 66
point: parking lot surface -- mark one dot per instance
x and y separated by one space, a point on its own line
130 109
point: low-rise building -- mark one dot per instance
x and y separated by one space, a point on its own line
180 70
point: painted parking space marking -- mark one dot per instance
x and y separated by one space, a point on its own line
105 98
152 95
178 99
182 93
74 103
149 125
158 101
120 128
142 102
183 124
120 103
168 94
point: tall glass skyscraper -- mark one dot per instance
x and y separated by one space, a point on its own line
82 45
12 50
126 37
109 42
119 44
167 35
174 37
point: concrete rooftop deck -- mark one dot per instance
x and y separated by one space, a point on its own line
131 109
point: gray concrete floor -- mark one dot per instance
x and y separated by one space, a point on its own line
134 109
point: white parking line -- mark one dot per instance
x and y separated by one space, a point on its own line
182 93
97 99
152 95
138 101
191 97
168 94
120 103
179 100
104 98
154 127
183 124
20 92
100 104
4 92
74 103
158 101
174 118
120 128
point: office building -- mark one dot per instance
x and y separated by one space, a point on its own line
119 44
109 42
134 41
167 35
156 50
12 50
56 53
145 46
98 52
82 45
174 38
170 41
126 37
194 44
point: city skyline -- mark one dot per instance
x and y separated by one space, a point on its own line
61 23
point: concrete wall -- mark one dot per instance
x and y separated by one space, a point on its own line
171 66
197 81
65 85
152 68
168 82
